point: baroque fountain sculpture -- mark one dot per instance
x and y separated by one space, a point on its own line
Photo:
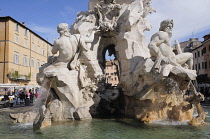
153 78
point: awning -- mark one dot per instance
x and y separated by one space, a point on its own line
8 85
28 87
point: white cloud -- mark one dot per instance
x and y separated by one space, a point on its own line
41 29
68 15
45 32
190 16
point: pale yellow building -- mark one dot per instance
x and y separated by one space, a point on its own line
22 52
111 73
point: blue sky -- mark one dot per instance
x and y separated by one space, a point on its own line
43 16
190 17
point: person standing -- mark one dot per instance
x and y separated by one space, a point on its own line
31 96
16 97
36 94
22 97
27 98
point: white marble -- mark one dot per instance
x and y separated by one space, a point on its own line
153 78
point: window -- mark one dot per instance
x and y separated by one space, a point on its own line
32 75
16 57
38 49
38 64
195 55
204 50
25 43
16 38
198 53
25 60
43 51
32 36
32 62
26 32
209 64
196 67
17 27
205 65
199 66
49 48
209 47
32 46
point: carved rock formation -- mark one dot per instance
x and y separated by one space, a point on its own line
154 86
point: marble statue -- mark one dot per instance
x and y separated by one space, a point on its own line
67 46
108 12
154 81
161 49
84 25
147 8
71 91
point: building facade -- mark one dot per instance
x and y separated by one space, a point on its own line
202 65
206 51
111 72
188 46
198 60
22 52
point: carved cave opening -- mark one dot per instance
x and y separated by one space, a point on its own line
112 98
111 67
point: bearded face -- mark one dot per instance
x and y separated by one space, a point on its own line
168 29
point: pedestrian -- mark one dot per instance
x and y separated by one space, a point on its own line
27 98
22 97
36 94
31 96
16 97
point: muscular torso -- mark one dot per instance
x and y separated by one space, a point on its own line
67 47
162 41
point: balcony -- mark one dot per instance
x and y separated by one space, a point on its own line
16 77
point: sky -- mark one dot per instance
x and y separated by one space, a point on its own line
191 17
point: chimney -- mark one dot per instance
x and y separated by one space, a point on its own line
23 23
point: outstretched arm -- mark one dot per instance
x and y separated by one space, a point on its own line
90 38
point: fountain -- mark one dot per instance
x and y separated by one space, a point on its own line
153 78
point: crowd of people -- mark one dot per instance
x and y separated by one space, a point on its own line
24 96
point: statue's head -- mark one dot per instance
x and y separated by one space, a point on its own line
167 26
63 28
